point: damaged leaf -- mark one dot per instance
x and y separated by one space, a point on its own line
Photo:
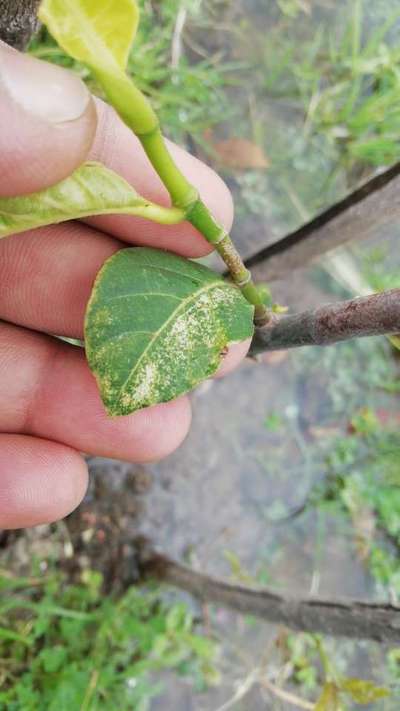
156 326
92 189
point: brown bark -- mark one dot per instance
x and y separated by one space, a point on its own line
339 617
18 21
378 314
368 209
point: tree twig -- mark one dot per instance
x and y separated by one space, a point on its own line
242 691
286 695
369 208
18 21
339 617
374 315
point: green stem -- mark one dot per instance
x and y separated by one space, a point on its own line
133 107
182 193
201 218
137 113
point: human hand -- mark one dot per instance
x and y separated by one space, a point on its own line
50 409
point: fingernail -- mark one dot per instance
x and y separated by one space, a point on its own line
43 90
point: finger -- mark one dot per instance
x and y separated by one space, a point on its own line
40 481
47 390
47 123
47 275
236 353
120 150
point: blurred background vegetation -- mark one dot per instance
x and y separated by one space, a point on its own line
295 103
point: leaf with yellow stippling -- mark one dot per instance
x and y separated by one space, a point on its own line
156 326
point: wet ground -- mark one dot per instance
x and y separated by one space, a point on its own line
233 485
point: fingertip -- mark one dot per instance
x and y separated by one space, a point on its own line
48 122
40 481
234 356
158 430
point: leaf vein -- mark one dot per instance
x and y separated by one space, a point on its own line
111 341
158 267
146 293
157 333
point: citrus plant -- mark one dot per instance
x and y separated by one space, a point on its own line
156 324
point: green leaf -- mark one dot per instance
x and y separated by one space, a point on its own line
14 636
156 326
378 151
395 341
97 32
91 190
363 692
53 658
329 699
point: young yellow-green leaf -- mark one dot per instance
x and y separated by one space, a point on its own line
97 32
156 326
100 33
395 341
91 190
363 692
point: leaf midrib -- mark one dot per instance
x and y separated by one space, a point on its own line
144 293
174 314
19 221
100 46
162 268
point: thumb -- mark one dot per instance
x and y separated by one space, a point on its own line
47 123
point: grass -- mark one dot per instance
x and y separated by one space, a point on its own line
363 482
65 646
325 109
346 84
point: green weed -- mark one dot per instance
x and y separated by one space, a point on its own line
65 646
347 84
